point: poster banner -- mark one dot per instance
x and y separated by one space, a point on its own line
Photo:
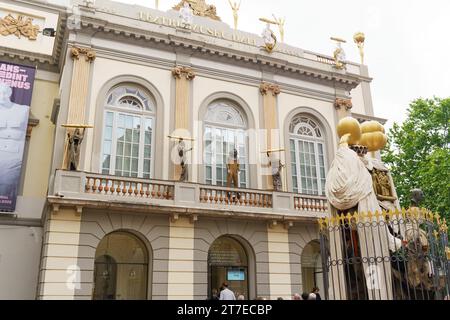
16 88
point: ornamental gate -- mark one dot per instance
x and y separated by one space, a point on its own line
396 255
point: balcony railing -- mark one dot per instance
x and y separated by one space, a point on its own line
88 189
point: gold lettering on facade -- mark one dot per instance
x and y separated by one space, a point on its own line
19 26
234 36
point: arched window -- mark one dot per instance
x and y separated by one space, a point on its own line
121 268
128 132
225 130
307 147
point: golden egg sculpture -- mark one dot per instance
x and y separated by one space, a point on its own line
350 126
373 136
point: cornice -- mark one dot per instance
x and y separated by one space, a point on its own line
173 42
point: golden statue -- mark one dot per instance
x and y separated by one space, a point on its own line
199 8
235 7
157 4
280 22
359 39
19 27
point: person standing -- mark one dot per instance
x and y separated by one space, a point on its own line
226 294
316 290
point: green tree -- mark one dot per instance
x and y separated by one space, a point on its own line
418 154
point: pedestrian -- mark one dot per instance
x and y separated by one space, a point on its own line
296 296
312 296
316 290
241 297
226 293
305 296
215 294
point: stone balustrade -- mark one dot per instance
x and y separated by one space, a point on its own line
104 191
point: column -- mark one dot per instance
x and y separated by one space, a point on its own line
183 76
269 94
60 274
279 262
82 60
181 259
343 107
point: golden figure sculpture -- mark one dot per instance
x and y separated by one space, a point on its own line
359 39
233 167
19 27
280 22
382 185
235 7
199 8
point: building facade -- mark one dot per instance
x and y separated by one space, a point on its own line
103 213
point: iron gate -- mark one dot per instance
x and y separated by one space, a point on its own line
395 255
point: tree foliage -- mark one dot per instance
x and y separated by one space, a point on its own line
418 154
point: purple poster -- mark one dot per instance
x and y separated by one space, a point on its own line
16 88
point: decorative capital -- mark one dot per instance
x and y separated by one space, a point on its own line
89 54
187 72
265 87
343 103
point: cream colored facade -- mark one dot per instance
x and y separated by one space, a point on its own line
65 215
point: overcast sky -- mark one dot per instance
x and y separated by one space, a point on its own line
407 41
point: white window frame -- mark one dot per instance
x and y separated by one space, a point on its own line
143 116
297 138
212 125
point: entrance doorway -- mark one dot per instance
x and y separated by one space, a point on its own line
228 262
312 273
121 268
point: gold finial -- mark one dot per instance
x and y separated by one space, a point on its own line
327 221
349 218
280 23
235 7
437 216
359 39
436 234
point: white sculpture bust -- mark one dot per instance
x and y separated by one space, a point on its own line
186 15
268 35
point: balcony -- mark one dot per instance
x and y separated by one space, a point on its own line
88 190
